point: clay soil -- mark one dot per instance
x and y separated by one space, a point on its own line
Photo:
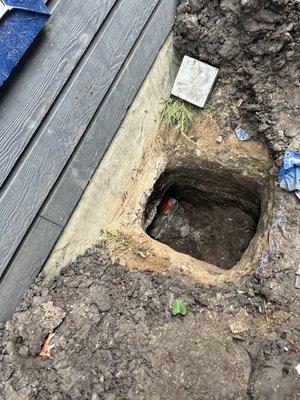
115 337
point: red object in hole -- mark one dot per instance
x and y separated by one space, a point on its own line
166 205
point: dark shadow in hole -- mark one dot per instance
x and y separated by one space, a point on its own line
208 225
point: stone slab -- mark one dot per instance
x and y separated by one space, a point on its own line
195 81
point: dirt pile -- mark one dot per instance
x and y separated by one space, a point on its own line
115 337
256 45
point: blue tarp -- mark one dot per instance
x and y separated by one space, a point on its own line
289 174
18 28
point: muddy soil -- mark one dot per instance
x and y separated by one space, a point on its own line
255 43
115 337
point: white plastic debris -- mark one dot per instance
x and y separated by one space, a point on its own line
195 81
3 9
297 368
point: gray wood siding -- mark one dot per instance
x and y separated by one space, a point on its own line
66 122
26 264
67 35
67 135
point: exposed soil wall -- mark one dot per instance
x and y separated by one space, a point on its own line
256 44
214 215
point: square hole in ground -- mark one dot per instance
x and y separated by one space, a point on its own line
211 216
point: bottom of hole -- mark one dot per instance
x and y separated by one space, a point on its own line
190 222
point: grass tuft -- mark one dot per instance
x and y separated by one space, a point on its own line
177 115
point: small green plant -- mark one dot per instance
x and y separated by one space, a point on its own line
179 307
179 116
113 233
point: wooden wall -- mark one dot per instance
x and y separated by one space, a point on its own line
59 111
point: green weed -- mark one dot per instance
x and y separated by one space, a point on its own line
179 116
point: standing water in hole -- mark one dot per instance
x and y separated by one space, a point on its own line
190 222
